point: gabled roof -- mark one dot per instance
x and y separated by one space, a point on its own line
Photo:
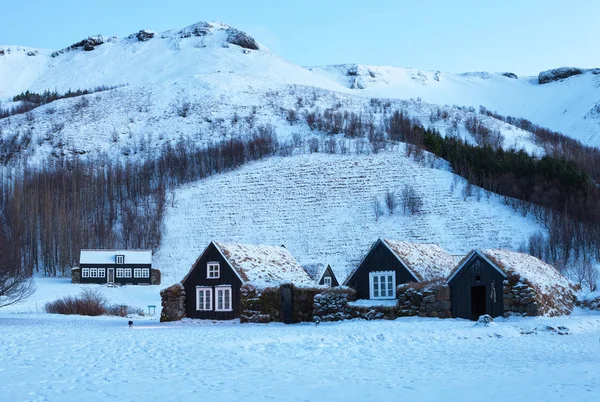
467 258
315 271
541 275
263 265
108 256
425 261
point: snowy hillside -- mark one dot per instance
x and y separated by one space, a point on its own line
195 85
320 207
570 105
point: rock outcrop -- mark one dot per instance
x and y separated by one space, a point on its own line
173 303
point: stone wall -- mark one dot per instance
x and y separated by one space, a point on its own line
76 275
425 299
260 305
521 298
173 303
332 304
155 276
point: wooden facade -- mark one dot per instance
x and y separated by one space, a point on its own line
477 288
115 267
328 273
198 279
379 259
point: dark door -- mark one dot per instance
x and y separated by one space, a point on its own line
287 301
477 302
110 275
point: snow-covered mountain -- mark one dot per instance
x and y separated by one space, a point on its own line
209 81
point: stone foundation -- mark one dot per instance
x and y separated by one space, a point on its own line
173 303
154 276
521 298
425 299
76 275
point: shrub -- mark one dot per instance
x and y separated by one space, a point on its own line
123 311
90 302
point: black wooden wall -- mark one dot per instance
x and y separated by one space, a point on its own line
118 281
380 258
329 272
198 277
466 278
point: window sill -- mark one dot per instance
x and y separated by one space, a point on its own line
224 311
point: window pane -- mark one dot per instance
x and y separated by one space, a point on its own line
227 296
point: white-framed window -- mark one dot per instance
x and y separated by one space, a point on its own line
145 272
101 272
85 272
120 259
327 281
137 272
213 270
127 273
120 272
223 299
93 272
382 285
203 299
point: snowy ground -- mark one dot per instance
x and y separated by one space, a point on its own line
56 358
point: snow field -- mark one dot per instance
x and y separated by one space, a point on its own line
56 358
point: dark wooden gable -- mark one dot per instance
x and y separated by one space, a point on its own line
379 258
471 288
198 276
329 272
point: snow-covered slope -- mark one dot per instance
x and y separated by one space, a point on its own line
320 207
570 105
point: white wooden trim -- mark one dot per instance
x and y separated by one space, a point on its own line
223 288
207 290
385 274
212 264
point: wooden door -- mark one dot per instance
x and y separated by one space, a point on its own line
287 305
478 302
110 275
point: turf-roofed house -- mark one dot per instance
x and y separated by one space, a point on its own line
213 284
390 263
502 282
120 267
322 274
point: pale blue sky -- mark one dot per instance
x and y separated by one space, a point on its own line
462 35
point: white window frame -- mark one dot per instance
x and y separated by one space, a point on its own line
137 272
93 272
126 272
327 281
379 275
85 272
145 272
210 274
101 272
120 259
222 289
120 272
207 293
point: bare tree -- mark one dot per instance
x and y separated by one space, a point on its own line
377 208
410 200
391 202
15 283
590 276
